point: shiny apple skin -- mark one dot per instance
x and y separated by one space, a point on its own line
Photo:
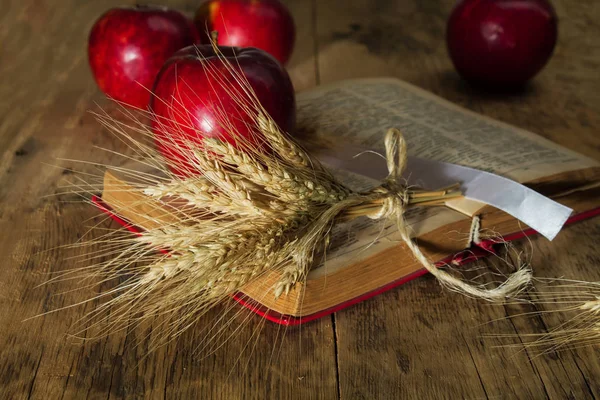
501 42
193 91
128 45
265 24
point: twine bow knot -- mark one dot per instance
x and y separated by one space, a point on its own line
394 199
395 195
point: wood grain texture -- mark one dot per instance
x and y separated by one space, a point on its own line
45 95
417 341
420 341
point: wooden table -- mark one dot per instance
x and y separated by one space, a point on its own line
416 341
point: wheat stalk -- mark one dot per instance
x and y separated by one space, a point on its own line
253 209
577 302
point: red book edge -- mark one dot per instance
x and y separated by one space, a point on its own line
483 249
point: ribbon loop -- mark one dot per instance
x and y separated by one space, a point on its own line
395 154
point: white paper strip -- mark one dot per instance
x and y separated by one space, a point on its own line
539 212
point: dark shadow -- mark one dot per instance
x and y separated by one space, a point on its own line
454 81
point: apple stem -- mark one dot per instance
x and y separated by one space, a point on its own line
214 35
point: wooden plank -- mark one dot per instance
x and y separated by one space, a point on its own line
417 341
44 98
302 65
573 255
420 341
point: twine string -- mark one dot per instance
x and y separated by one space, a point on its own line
396 199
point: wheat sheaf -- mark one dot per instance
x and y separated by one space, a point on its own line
244 208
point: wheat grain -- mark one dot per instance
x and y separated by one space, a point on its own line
254 209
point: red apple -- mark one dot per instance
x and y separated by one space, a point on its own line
128 46
265 24
198 94
501 42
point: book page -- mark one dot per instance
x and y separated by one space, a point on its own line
360 112
354 241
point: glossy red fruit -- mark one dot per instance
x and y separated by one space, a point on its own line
265 24
128 46
199 94
501 42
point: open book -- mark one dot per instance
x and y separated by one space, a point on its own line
367 257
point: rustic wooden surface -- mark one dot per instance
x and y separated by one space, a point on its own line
416 341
